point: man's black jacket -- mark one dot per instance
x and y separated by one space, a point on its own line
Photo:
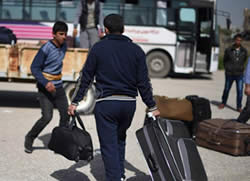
234 61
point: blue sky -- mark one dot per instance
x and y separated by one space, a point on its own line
235 8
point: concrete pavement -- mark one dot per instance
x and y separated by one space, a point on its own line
19 110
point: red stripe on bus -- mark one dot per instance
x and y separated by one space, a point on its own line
30 31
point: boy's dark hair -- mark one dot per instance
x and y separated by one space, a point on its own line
237 36
60 26
114 23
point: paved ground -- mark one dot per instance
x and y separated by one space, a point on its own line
19 110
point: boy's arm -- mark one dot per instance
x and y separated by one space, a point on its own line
36 68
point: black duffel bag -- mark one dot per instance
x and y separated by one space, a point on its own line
7 36
72 142
201 107
201 111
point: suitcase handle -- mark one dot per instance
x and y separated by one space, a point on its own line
213 142
212 139
149 118
152 163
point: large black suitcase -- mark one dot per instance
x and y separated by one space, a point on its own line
169 151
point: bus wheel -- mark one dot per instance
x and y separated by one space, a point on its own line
86 106
159 64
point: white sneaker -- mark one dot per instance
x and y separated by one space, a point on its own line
123 178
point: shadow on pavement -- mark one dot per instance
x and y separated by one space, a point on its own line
216 103
19 99
191 76
45 140
97 164
96 167
140 178
71 174
187 76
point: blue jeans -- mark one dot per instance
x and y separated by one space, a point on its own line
113 118
239 87
47 102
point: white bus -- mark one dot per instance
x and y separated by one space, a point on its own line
178 36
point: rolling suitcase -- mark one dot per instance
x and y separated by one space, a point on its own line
169 151
224 135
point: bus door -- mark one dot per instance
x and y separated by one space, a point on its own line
186 40
205 35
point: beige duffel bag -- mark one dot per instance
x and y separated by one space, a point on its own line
174 108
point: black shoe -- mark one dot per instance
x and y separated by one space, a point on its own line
28 144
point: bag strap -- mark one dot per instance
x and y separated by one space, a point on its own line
72 122
79 120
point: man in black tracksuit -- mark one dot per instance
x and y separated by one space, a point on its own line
119 68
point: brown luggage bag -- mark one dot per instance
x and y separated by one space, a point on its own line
224 135
174 108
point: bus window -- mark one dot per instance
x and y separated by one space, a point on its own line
205 20
11 9
66 10
141 14
187 15
43 12
177 4
205 29
161 17
111 7
187 24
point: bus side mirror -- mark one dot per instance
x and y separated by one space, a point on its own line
132 1
228 21
215 38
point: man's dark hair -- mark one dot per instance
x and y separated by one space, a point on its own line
237 36
114 23
60 26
